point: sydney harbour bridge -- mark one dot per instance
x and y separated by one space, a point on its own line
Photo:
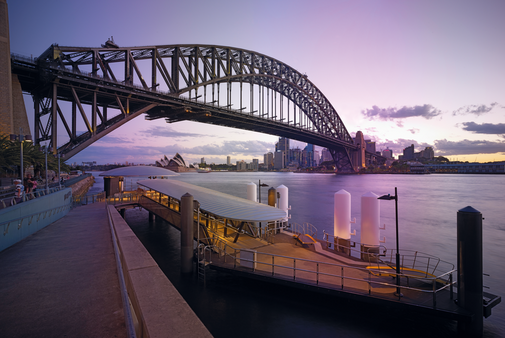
100 89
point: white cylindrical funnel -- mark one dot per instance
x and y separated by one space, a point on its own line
342 215
370 219
252 192
283 199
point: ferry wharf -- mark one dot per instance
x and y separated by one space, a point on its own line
64 280
230 240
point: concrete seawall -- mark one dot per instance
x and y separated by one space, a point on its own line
159 309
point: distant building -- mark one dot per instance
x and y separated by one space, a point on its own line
387 153
308 156
255 164
370 146
241 166
202 161
268 161
326 155
176 164
468 168
417 167
295 157
228 160
317 158
408 153
283 145
428 153
279 160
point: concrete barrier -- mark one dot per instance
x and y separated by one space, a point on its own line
158 308
21 220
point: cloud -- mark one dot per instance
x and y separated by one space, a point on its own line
475 109
413 130
485 128
250 148
171 133
104 153
427 111
466 147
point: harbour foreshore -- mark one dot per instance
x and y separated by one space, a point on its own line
63 281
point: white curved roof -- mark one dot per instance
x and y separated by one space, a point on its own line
139 171
217 203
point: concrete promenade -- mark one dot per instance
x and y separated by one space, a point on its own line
62 281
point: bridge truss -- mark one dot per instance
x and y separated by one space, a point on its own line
100 89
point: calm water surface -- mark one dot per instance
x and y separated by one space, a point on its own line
427 205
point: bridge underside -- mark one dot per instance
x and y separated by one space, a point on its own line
276 99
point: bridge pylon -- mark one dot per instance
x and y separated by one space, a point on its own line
13 116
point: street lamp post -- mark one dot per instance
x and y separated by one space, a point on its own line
259 189
196 205
59 170
22 138
388 197
47 182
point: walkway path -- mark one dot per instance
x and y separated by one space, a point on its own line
62 281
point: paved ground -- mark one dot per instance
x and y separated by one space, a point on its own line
62 281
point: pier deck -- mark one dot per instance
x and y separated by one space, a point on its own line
287 262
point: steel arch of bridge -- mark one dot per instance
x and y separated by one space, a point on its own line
113 78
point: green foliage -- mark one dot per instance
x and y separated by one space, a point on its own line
10 157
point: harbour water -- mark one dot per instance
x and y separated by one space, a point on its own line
427 207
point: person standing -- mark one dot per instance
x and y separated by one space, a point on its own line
20 190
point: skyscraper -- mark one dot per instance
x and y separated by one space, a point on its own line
268 160
308 156
283 145
228 160
279 160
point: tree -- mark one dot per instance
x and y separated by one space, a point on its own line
10 157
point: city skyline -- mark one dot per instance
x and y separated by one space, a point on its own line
423 72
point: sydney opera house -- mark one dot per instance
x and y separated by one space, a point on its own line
176 164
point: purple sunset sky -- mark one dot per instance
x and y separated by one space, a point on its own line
422 72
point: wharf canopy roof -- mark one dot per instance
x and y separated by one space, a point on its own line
139 171
217 203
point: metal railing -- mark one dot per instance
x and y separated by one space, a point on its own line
414 261
74 180
304 229
29 196
354 248
88 199
123 197
309 271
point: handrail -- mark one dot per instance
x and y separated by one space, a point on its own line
124 196
304 229
369 272
99 197
26 197
372 252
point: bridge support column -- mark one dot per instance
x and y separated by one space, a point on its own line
470 280
152 217
186 233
